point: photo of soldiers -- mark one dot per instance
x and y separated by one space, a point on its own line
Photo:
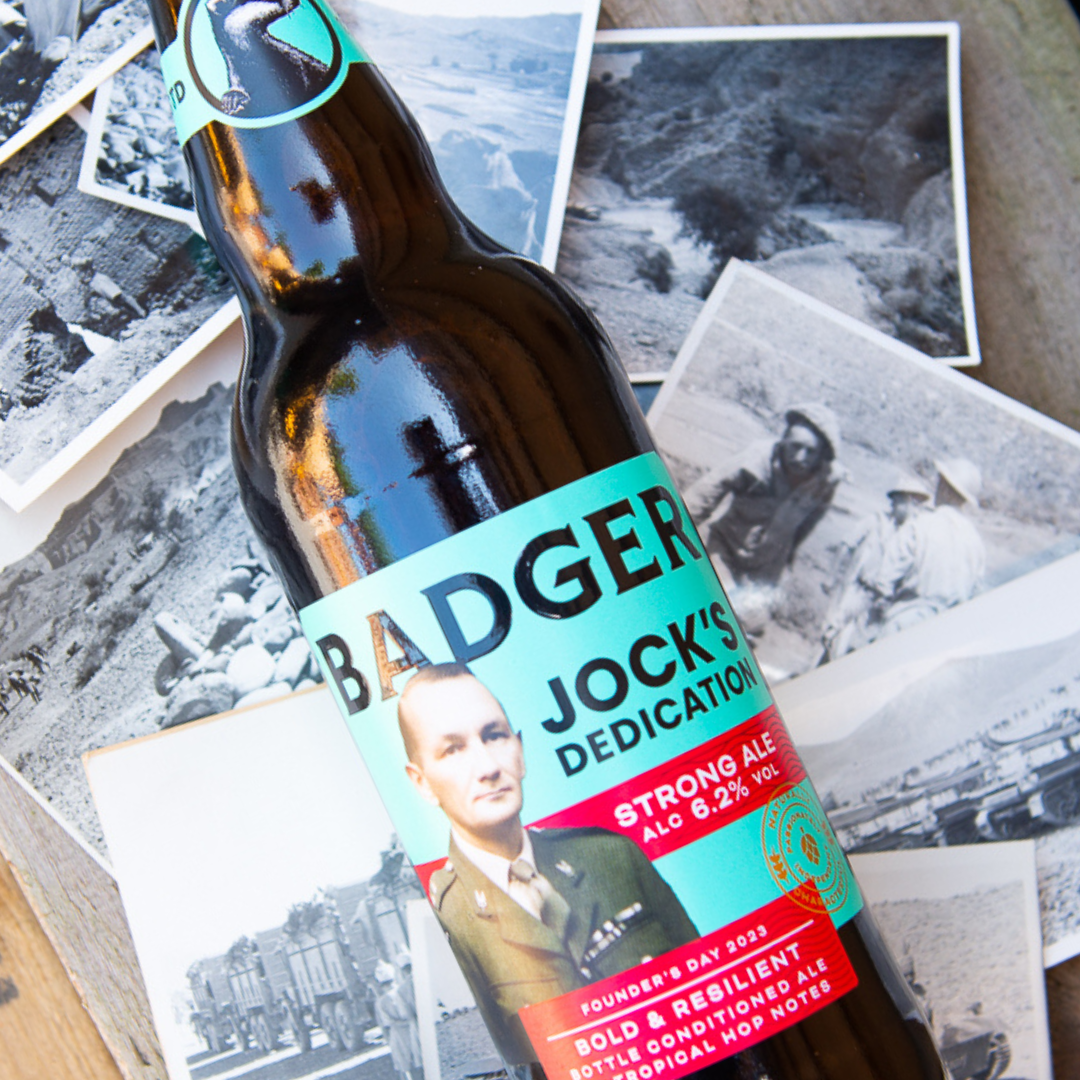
530 913
854 619
396 1014
755 510
825 547
938 559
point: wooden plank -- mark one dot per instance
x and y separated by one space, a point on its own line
78 905
1063 1000
44 1029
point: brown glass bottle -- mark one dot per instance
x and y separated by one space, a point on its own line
406 378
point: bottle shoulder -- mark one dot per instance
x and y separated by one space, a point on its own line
494 318
418 405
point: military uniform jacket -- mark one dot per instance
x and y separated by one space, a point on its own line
621 912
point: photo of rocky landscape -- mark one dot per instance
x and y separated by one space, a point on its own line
826 162
133 150
811 579
48 47
492 94
93 296
147 606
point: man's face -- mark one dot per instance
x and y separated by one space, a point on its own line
903 506
466 758
801 451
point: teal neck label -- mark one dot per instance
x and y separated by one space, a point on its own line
254 63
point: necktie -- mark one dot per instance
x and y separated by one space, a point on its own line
554 910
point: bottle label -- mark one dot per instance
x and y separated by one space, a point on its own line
254 63
662 889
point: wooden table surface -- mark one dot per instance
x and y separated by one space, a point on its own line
45 1033
1021 113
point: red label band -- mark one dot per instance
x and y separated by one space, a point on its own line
690 796
698 1004
695 794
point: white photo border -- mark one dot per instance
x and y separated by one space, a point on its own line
924 871
934 368
575 102
89 184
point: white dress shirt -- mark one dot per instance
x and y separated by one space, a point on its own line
497 869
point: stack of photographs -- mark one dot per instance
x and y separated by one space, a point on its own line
217 882
117 302
771 224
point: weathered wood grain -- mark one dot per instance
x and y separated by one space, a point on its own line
44 1029
78 905
1063 999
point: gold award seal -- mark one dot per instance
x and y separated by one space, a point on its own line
801 851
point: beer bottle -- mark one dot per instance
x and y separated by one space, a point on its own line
440 451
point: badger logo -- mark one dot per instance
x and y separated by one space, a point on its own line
250 60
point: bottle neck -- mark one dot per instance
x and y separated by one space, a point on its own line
304 210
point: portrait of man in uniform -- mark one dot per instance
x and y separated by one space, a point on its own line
530 913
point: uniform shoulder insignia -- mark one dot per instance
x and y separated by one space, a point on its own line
440 883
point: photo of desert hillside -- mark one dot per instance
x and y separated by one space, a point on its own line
827 163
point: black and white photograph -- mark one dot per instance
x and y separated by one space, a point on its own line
141 601
132 153
146 603
53 53
963 923
829 156
497 91
507 165
964 730
276 935
846 486
452 1032
101 305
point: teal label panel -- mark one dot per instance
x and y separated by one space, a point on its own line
600 650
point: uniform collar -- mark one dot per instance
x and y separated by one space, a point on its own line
494 867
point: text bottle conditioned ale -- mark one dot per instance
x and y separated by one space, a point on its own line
439 449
